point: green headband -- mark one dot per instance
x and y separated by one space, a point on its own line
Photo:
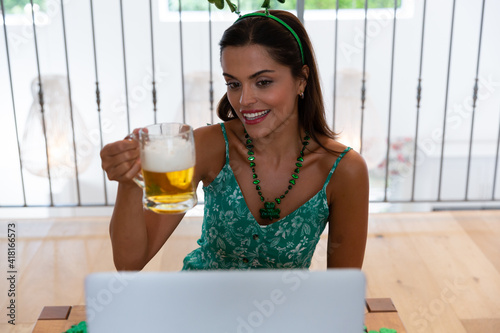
283 24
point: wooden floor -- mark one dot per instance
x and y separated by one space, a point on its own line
442 270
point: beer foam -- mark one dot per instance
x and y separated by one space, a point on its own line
163 156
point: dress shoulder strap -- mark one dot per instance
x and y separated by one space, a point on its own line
223 127
337 161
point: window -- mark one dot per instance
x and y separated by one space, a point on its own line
18 7
250 5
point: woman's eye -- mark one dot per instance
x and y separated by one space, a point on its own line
232 85
264 83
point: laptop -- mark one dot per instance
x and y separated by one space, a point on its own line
252 301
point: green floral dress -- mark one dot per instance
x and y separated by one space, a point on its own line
232 239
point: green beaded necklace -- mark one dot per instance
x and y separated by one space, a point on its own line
270 211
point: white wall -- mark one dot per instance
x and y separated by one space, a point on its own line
110 63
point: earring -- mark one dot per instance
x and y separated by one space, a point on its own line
301 95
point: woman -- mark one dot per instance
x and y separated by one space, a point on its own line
272 173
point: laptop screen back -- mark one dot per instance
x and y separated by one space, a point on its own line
226 301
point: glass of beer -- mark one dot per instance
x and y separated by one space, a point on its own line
167 160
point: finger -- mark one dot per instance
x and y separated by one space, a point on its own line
118 147
119 164
135 133
124 171
134 170
126 156
136 130
111 162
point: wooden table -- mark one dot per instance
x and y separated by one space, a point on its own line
380 312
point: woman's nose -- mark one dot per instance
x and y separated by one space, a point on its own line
247 96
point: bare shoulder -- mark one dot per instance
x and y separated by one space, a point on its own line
352 165
350 172
209 132
233 129
210 152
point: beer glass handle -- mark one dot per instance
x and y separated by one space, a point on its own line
138 179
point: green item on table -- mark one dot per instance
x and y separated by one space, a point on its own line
81 327
387 330
383 330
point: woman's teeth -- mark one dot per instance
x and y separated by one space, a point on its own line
255 115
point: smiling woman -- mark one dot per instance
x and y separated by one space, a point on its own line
274 86
274 176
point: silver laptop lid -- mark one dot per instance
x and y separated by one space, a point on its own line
226 301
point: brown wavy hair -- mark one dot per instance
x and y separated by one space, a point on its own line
283 48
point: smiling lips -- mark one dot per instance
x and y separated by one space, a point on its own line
254 116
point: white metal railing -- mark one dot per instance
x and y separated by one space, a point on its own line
415 89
